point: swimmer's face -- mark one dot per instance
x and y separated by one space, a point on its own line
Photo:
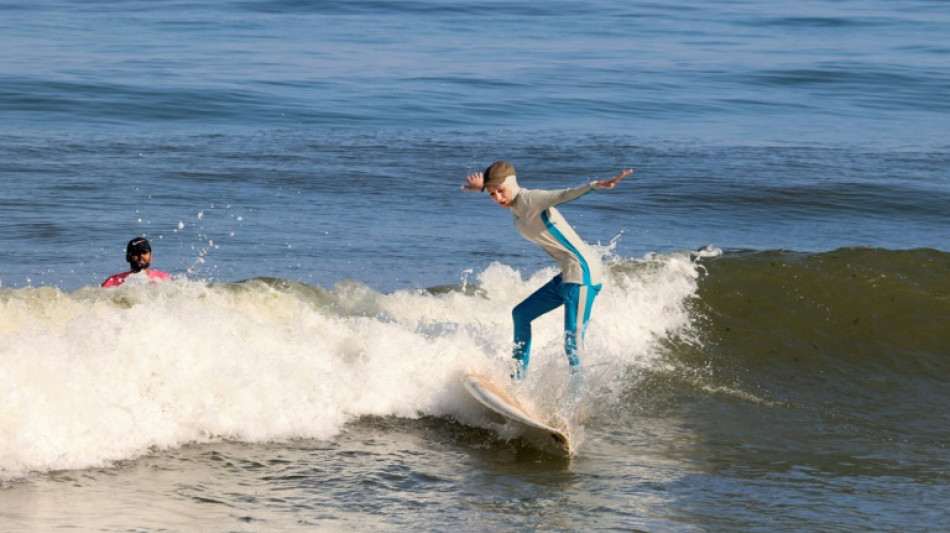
139 260
501 194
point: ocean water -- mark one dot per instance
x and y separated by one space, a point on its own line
769 353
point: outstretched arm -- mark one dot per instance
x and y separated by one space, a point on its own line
476 182
609 184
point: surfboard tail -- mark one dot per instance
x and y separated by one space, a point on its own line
552 439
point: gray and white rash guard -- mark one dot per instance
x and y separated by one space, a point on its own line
538 221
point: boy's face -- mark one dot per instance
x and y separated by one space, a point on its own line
501 194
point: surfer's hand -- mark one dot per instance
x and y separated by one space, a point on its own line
475 182
609 184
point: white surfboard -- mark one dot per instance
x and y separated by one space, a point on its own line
557 441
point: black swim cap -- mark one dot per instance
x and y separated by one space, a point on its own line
138 245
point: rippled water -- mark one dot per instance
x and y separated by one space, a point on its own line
296 166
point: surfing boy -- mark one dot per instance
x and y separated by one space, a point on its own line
539 222
139 255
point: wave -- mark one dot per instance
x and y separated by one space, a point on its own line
96 376
91 377
883 308
856 333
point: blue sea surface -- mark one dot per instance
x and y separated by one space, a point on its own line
317 149
817 71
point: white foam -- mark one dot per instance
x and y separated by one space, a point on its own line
97 375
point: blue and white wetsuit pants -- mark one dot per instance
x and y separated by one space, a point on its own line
577 300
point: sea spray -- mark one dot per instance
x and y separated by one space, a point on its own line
95 376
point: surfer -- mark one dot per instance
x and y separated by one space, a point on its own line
578 283
139 255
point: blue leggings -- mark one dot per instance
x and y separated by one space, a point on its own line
577 300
